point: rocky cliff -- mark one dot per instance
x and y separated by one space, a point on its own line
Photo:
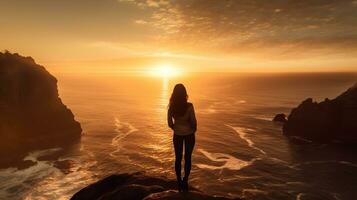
32 116
138 186
327 121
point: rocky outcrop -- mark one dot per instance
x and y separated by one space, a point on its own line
137 186
32 116
280 118
327 121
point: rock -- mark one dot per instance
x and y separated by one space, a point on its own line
327 121
280 118
174 195
32 116
136 186
64 165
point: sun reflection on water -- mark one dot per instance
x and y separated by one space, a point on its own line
165 90
164 98
163 136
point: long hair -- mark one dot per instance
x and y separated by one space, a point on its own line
178 100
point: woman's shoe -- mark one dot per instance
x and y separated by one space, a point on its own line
185 184
179 185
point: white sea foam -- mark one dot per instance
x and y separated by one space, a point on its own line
283 162
123 129
63 185
210 110
299 196
263 117
348 163
242 132
230 162
12 177
253 191
237 178
53 181
33 156
295 183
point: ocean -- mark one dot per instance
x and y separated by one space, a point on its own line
239 151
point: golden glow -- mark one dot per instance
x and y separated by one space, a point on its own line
133 36
165 70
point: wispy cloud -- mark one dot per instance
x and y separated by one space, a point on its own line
140 21
236 25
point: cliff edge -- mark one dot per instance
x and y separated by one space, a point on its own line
138 186
327 121
32 116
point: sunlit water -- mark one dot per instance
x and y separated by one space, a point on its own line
239 152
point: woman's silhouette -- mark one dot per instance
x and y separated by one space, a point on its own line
181 119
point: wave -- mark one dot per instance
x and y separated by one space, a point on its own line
300 196
230 162
242 132
34 155
11 178
218 106
341 162
252 191
52 180
263 117
63 185
123 129
237 178
209 110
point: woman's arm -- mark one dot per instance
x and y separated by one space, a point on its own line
170 122
193 120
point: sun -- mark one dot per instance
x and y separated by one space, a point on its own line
165 70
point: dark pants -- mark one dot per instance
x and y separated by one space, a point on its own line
189 141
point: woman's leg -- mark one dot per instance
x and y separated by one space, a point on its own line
189 144
178 145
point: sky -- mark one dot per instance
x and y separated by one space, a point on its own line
115 36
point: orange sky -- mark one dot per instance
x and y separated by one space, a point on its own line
118 36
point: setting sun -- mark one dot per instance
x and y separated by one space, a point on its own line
165 70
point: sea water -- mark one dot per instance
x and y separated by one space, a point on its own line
239 151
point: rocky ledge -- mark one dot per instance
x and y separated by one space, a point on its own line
32 116
327 121
137 186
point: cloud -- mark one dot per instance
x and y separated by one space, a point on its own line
245 24
140 21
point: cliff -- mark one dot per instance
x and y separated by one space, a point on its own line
32 116
326 121
138 186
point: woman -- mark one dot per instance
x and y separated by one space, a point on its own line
181 119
